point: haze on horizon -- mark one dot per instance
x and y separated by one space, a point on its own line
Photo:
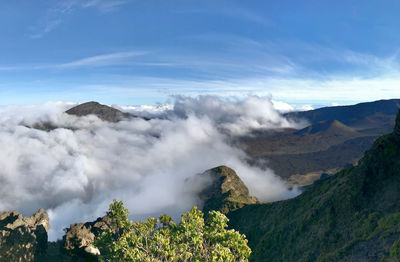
130 52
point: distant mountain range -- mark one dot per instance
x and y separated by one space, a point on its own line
362 116
352 216
336 138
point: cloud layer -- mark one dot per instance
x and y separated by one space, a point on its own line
76 170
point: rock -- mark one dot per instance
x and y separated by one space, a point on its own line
103 112
79 238
23 238
92 250
226 192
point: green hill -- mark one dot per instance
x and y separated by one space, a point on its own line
352 216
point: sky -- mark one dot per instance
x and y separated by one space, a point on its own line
132 52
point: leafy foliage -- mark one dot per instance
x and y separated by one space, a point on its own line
193 239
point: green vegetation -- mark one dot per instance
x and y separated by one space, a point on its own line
193 239
352 216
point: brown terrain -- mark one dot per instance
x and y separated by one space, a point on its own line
336 138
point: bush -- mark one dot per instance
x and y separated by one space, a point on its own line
193 239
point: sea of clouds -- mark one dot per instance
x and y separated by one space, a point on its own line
75 171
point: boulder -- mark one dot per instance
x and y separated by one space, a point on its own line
23 238
79 238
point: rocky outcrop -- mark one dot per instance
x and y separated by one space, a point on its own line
23 238
103 112
226 192
79 238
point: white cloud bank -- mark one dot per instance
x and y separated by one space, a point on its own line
75 173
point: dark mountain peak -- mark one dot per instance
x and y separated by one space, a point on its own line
94 103
105 113
227 191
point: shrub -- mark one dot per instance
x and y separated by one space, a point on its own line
193 239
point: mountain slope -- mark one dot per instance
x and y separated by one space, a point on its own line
103 112
298 167
353 216
379 112
328 127
314 138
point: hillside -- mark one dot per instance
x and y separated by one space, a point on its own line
304 168
313 138
333 127
336 138
352 216
103 112
362 115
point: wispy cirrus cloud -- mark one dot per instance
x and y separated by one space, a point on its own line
230 10
47 27
291 90
242 66
103 60
102 5
9 68
238 58
325 59
55 15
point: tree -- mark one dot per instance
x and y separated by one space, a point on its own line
193 239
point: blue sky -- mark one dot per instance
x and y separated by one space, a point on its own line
144 51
